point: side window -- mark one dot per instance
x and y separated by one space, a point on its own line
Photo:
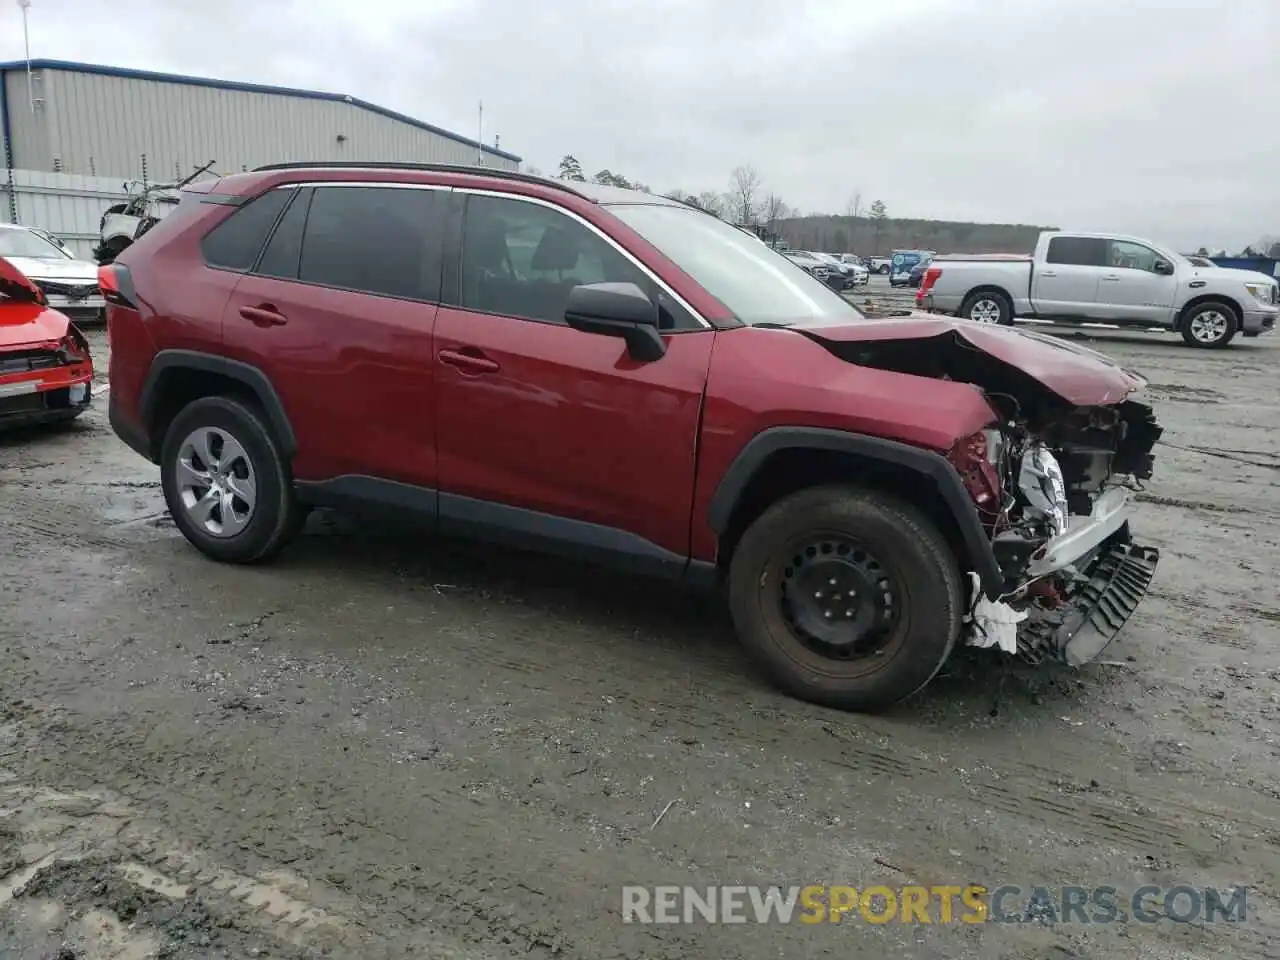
284 249
1133 256
379 240
1078 251
235 242
521 260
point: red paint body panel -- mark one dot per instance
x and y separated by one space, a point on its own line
570 425
1077 374
764 378
24 324
15 286
354 372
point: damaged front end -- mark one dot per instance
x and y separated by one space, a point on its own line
1051 478
1054 493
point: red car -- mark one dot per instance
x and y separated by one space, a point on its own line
46 372
628 380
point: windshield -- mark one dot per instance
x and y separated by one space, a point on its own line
758 285
24 243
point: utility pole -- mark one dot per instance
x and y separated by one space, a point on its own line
479 134
25 5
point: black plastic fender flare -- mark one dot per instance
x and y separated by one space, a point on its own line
931 465
168 363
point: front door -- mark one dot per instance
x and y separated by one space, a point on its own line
1131 290
339 312
548 436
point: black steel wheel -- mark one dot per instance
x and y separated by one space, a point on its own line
849 598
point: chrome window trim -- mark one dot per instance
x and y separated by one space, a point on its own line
538 201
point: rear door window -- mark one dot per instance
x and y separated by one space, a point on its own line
1078 251
234 244
380 240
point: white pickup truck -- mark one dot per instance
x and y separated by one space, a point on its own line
1104 278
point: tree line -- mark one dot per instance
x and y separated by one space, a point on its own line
865 229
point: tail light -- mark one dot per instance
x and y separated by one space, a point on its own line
116 283
931 276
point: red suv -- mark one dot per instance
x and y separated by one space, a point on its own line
626 379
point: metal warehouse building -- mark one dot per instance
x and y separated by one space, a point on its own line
76 118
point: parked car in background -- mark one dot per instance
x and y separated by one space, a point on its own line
818 269
903 262
881 265
148 204
627 380
46 371
70 285
854 274
1106 278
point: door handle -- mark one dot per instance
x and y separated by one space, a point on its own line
1111 276
1047 273
469 362
264 316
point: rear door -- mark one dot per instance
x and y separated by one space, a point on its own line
1066 284
339 311
549 436
1131 289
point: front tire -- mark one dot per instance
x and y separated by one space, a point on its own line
226 483
988 306
849 598
1211 325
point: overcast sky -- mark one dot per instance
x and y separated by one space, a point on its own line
1154 117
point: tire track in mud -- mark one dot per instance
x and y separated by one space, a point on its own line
74 851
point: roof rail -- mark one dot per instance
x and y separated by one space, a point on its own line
428 167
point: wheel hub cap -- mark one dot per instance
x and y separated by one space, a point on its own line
216 482
836 596
1209 326
985 311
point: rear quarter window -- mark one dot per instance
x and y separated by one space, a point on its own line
234 244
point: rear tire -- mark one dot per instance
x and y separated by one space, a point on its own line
850 538
988 306
226 484
1211 325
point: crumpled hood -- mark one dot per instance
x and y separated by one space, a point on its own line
57 268
1080 376
24 317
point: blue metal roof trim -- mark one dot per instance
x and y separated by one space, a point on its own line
127 73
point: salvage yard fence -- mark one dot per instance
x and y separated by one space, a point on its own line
67 205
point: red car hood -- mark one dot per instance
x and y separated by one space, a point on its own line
1077 374
24 317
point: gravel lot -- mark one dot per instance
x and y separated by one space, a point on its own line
382 746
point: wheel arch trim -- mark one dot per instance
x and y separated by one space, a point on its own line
167 363
934 467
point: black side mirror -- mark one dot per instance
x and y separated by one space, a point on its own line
617 310
1164 267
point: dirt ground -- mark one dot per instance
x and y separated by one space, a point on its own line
382 746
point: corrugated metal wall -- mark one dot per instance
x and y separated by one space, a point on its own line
68 206
95 124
